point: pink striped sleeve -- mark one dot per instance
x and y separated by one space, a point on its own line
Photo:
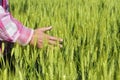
12 30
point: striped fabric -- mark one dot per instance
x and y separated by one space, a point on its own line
0 2
12 30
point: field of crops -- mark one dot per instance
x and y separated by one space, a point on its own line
91 33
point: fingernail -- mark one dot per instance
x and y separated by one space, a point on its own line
61 46
50 26
61 40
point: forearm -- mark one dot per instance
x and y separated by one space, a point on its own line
12 30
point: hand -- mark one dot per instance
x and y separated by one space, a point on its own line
39 36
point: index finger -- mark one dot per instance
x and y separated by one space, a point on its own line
46 28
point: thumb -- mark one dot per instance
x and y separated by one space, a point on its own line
46 28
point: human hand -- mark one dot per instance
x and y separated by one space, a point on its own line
39 36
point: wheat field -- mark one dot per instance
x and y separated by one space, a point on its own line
91 33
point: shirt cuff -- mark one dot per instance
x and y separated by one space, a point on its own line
25 36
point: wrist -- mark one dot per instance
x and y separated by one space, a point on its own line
25 36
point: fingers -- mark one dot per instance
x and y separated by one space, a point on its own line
55 39
46 28
54 43
50 42
41 37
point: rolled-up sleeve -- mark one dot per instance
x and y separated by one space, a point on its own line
12 30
